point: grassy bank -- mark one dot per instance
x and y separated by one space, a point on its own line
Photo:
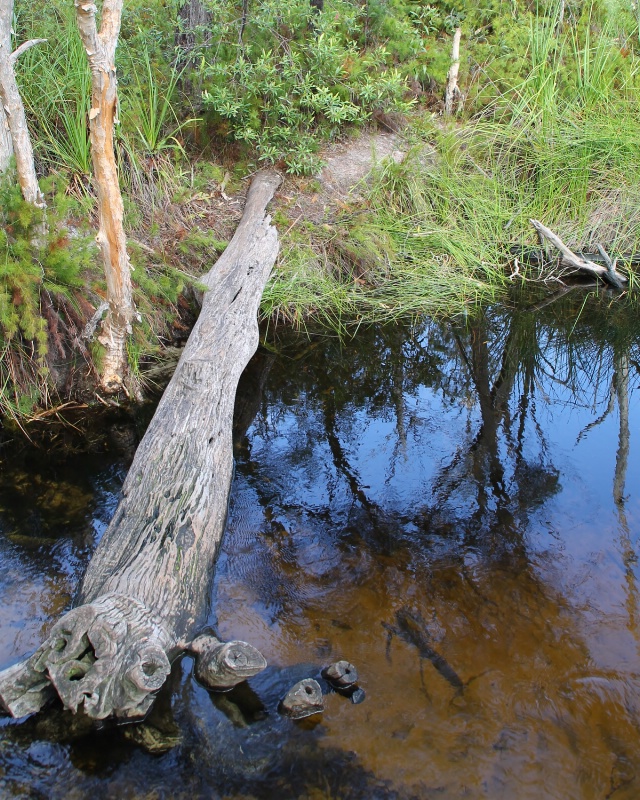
436 233
548 130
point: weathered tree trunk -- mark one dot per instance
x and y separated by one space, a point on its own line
16 121
193 17
101 49
452 94
145 593
6 145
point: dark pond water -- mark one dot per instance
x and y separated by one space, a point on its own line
454 509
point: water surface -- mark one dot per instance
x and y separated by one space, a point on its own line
464 490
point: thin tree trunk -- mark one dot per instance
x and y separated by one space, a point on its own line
193 17
14 115
6 146
560 22
193 21
145 593
100 48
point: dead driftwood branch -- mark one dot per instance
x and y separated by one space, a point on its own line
144 597
613 276
606 272
24 47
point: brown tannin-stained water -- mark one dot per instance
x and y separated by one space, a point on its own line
452 508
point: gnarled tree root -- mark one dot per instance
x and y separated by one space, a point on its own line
108 657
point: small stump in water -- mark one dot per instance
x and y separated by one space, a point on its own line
223 665
303 699
341 675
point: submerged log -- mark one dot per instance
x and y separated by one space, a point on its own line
144 596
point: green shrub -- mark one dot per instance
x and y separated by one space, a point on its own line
42 275
32 263
291 76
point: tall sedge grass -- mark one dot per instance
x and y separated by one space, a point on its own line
149 107
561 145
304 292
564 145
420 264
56 89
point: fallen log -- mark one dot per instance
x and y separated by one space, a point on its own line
144 597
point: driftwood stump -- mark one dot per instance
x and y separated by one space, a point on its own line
145 594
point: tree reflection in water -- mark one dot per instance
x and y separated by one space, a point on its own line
467 490
461 472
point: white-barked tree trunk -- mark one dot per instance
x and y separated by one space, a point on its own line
6 145
14 133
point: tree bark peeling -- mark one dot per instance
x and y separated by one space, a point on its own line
145 593
101 48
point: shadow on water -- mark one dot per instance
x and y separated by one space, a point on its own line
453 508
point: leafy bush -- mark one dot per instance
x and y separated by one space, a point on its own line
42 283
288 75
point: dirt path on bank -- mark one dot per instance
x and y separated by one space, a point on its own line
343 177
318 198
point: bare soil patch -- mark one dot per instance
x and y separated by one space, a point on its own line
343 178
